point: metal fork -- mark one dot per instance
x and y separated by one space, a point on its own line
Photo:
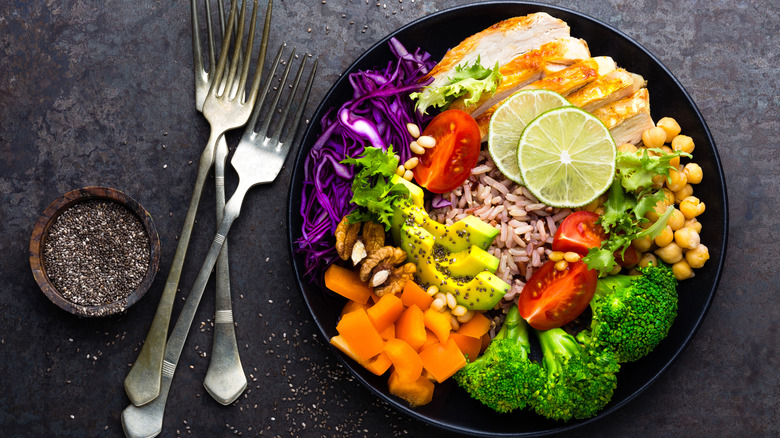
225 379
143 382
258 159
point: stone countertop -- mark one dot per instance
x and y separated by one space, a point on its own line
100 93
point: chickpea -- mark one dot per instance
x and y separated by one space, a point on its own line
677 180
693 223
674 161
668 199
693 172
671 127
654 137
681 270
665 237
691 207
697 257
616 270
683 193
671 253
648 259
687 238
683 143
676 220
627 147
642 244
660 208
658 181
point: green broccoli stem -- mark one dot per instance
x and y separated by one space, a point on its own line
609 284
515 328
556 345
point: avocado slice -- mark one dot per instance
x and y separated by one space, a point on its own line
467 232
478 292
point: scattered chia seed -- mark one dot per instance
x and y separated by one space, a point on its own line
96 252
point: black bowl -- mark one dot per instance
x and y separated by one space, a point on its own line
451 408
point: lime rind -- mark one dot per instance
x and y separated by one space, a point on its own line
509 120
566 157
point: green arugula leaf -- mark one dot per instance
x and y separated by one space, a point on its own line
372 190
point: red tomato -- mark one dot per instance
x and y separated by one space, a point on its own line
552 298
446 165
579 232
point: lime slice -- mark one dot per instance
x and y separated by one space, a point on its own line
507 124
566 157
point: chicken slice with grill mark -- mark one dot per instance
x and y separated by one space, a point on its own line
500 43
606 89
564 82
627 118
527 68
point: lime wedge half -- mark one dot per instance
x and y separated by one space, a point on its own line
566 157
508 122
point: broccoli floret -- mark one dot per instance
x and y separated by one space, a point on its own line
580 380
504 378
632 314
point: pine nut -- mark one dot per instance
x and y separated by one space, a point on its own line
466 317
451 301
416 148
459 310
411 163
400 171
433 290
454 323
438 304
408 175
561 265
426 141
413 129
556 256
571 257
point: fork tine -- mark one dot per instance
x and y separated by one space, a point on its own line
267 122
287 141
237 46
212 49
217 78
197 56
261 57
250 125
286 111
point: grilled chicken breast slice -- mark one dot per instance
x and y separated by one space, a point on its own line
527 68
606 89
627 118
500 43
564 82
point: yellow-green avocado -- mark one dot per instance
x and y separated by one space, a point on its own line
453 257
480 291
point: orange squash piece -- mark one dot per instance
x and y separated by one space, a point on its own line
385 311
388 333
439 323
339 342
360 335
476 326
352 305
406 361
485 342
379 364
417 393
430 339
470 347
347 283
442 360
414 294
410 327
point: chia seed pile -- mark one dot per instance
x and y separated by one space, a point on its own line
96 253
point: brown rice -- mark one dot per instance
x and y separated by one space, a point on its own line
526 226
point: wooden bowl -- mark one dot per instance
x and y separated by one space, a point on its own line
40 231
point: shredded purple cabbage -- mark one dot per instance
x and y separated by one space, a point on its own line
376 116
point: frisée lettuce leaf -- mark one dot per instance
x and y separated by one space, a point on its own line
471 80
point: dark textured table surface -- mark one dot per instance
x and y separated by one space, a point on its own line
100 93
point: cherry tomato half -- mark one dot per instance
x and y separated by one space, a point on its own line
552 298
579 232
446 165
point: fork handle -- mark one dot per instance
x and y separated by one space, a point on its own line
146 421
142 383
225 379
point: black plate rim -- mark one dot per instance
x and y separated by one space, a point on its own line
293 210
